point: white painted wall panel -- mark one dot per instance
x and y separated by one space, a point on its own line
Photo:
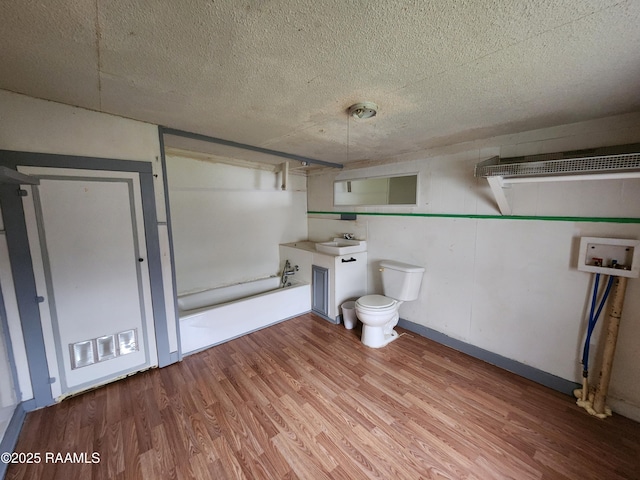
227 221
33 125
13 320
508 286
528 298
169 303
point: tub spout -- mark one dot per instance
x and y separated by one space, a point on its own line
288 270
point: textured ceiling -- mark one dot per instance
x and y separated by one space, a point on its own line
280 74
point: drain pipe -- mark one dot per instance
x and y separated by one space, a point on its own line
615 312
285 175
594 401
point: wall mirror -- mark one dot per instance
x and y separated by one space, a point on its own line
396 190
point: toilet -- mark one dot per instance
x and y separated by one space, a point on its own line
379 313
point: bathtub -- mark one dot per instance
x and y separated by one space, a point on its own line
220 314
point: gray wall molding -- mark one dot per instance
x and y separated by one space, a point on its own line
244 146
26 292
154 258
12 158
174 283
539 376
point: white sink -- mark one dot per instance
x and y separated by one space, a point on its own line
341 246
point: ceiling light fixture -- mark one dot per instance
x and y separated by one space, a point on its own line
363 110
360 111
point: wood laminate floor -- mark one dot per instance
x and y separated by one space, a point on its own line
305 399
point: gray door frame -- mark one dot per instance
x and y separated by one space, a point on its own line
22 265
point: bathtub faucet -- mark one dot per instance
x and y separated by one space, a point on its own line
292 271
286 271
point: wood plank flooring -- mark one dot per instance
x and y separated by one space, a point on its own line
305 399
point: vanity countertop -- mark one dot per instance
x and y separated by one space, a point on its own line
309 246
302 245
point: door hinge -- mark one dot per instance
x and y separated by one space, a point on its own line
52 380
39 299
22 192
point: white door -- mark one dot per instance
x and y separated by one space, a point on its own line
86 236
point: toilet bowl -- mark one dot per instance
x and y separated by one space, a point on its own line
379 314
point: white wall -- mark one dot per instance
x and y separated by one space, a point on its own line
227 221
32 125
508 286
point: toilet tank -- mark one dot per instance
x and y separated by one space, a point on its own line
401 281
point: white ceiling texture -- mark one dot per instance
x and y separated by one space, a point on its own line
280 74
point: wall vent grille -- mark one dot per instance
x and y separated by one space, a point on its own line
567 163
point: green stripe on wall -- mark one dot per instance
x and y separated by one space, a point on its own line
491 217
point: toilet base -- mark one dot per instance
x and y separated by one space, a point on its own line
374 337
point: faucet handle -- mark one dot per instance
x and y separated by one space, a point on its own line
348 236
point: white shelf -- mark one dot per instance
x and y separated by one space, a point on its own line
598 164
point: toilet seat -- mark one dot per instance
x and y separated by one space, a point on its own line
378 314
376 302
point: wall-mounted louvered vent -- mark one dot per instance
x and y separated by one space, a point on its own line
595 164
579 166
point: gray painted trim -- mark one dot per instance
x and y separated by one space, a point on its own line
174 283
10 439
26 292
335 321
547 379
9 175
12 159
244 146
320 291
20 255
29 405
154 265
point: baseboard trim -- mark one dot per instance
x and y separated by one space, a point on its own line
539 376
10 438
335 321
30 405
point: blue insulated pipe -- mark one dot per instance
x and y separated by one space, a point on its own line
590 327
593 319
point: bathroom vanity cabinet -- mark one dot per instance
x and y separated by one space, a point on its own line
334 279
320 290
